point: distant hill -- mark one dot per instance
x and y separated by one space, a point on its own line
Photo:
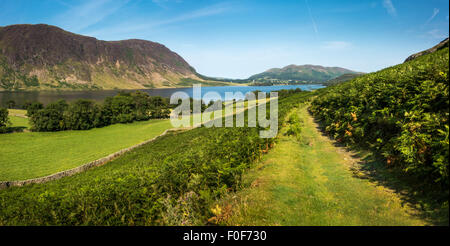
37 57
441 45
304 73
343 78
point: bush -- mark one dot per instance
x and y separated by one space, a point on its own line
50 118
295 127
401 112
82 115
33 108
3 117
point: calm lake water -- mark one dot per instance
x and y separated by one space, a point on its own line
47 97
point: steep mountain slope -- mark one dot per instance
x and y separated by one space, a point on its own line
46 57
439 46
306 73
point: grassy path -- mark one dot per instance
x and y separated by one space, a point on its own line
308 182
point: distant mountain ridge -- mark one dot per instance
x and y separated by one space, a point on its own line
305 73
47 57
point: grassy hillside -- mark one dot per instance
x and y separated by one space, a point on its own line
172 181
402 112
304 73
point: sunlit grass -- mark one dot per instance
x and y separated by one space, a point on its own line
35 154
308 182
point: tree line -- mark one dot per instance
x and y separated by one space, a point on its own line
86 114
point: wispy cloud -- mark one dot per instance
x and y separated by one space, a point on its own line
435 12
437 34
354 7
316 31
132 26
88 13
389 6
163 3
336 45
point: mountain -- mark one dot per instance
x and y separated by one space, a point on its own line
343 78
441 45
42 57
305 73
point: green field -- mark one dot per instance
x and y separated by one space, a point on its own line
171 181
35 154
17 121
309 183
18 118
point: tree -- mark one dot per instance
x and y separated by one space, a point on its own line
11 103
33 108
142 105
3 117
81 115
50 118
26 105
120 108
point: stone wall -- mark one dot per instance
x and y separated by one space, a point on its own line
82 168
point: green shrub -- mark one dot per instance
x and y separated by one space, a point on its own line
3 117
401 111
295 126
82 115
50 118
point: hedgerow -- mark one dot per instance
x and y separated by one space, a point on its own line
401 112
171 181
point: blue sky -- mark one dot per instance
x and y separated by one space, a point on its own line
236 39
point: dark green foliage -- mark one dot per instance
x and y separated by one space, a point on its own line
85 114
82 115
3 117
51 118
33 108
11 104
31 81
171 181
120 109
285 93
402 112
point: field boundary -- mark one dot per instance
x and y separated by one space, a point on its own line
87 166
100 162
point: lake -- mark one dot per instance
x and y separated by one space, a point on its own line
46 97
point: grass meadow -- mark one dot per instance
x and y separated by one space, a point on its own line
26 155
